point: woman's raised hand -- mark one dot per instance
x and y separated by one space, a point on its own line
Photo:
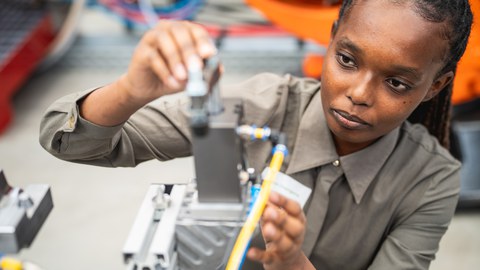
160 61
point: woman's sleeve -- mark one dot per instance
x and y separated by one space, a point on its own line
157 131
414 241
160 130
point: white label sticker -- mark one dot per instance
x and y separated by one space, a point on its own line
290 188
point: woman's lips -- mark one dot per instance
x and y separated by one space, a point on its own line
349 121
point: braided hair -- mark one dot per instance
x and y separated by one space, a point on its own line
457 16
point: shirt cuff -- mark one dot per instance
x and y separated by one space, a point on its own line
76 123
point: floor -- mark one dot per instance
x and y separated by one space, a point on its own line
95 207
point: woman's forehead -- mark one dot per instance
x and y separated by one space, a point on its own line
396 27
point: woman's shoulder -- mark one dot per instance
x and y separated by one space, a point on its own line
422 174
417 136
420 160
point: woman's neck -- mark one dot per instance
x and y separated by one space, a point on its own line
345 148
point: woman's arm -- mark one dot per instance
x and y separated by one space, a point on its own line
113 125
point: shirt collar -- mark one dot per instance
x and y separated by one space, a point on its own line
314 144
361 167
314 147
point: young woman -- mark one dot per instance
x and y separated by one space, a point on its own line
383 189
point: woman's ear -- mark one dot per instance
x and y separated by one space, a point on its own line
438 85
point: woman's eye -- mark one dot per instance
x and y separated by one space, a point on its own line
398 86
345 61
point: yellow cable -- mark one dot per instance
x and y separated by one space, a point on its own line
249 227
258 133
7 263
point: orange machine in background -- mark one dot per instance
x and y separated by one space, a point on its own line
467 79
306 19
312 20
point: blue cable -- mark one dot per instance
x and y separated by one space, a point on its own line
168 9
280 147
244 255
252 136
254 191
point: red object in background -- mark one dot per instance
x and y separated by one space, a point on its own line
245 30
19 64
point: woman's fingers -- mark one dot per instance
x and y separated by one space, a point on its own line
292 225
204 43
282 240
283 229
173 43
159 63
283 226
290 206
259 255
279 241
179 44
280 205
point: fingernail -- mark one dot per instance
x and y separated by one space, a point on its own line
270 231
180 72
270 213
273 214
274 197
206 50
173 83
194 62
252 253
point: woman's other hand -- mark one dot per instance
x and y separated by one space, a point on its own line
283 228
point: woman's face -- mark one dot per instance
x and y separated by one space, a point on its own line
381 63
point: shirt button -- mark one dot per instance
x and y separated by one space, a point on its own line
71 121
336 163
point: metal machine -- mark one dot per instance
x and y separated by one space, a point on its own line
195 226
22 214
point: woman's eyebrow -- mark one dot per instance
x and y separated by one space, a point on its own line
346 43
408 70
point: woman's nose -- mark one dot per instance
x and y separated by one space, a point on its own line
361 92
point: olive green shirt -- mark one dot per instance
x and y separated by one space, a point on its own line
384 207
